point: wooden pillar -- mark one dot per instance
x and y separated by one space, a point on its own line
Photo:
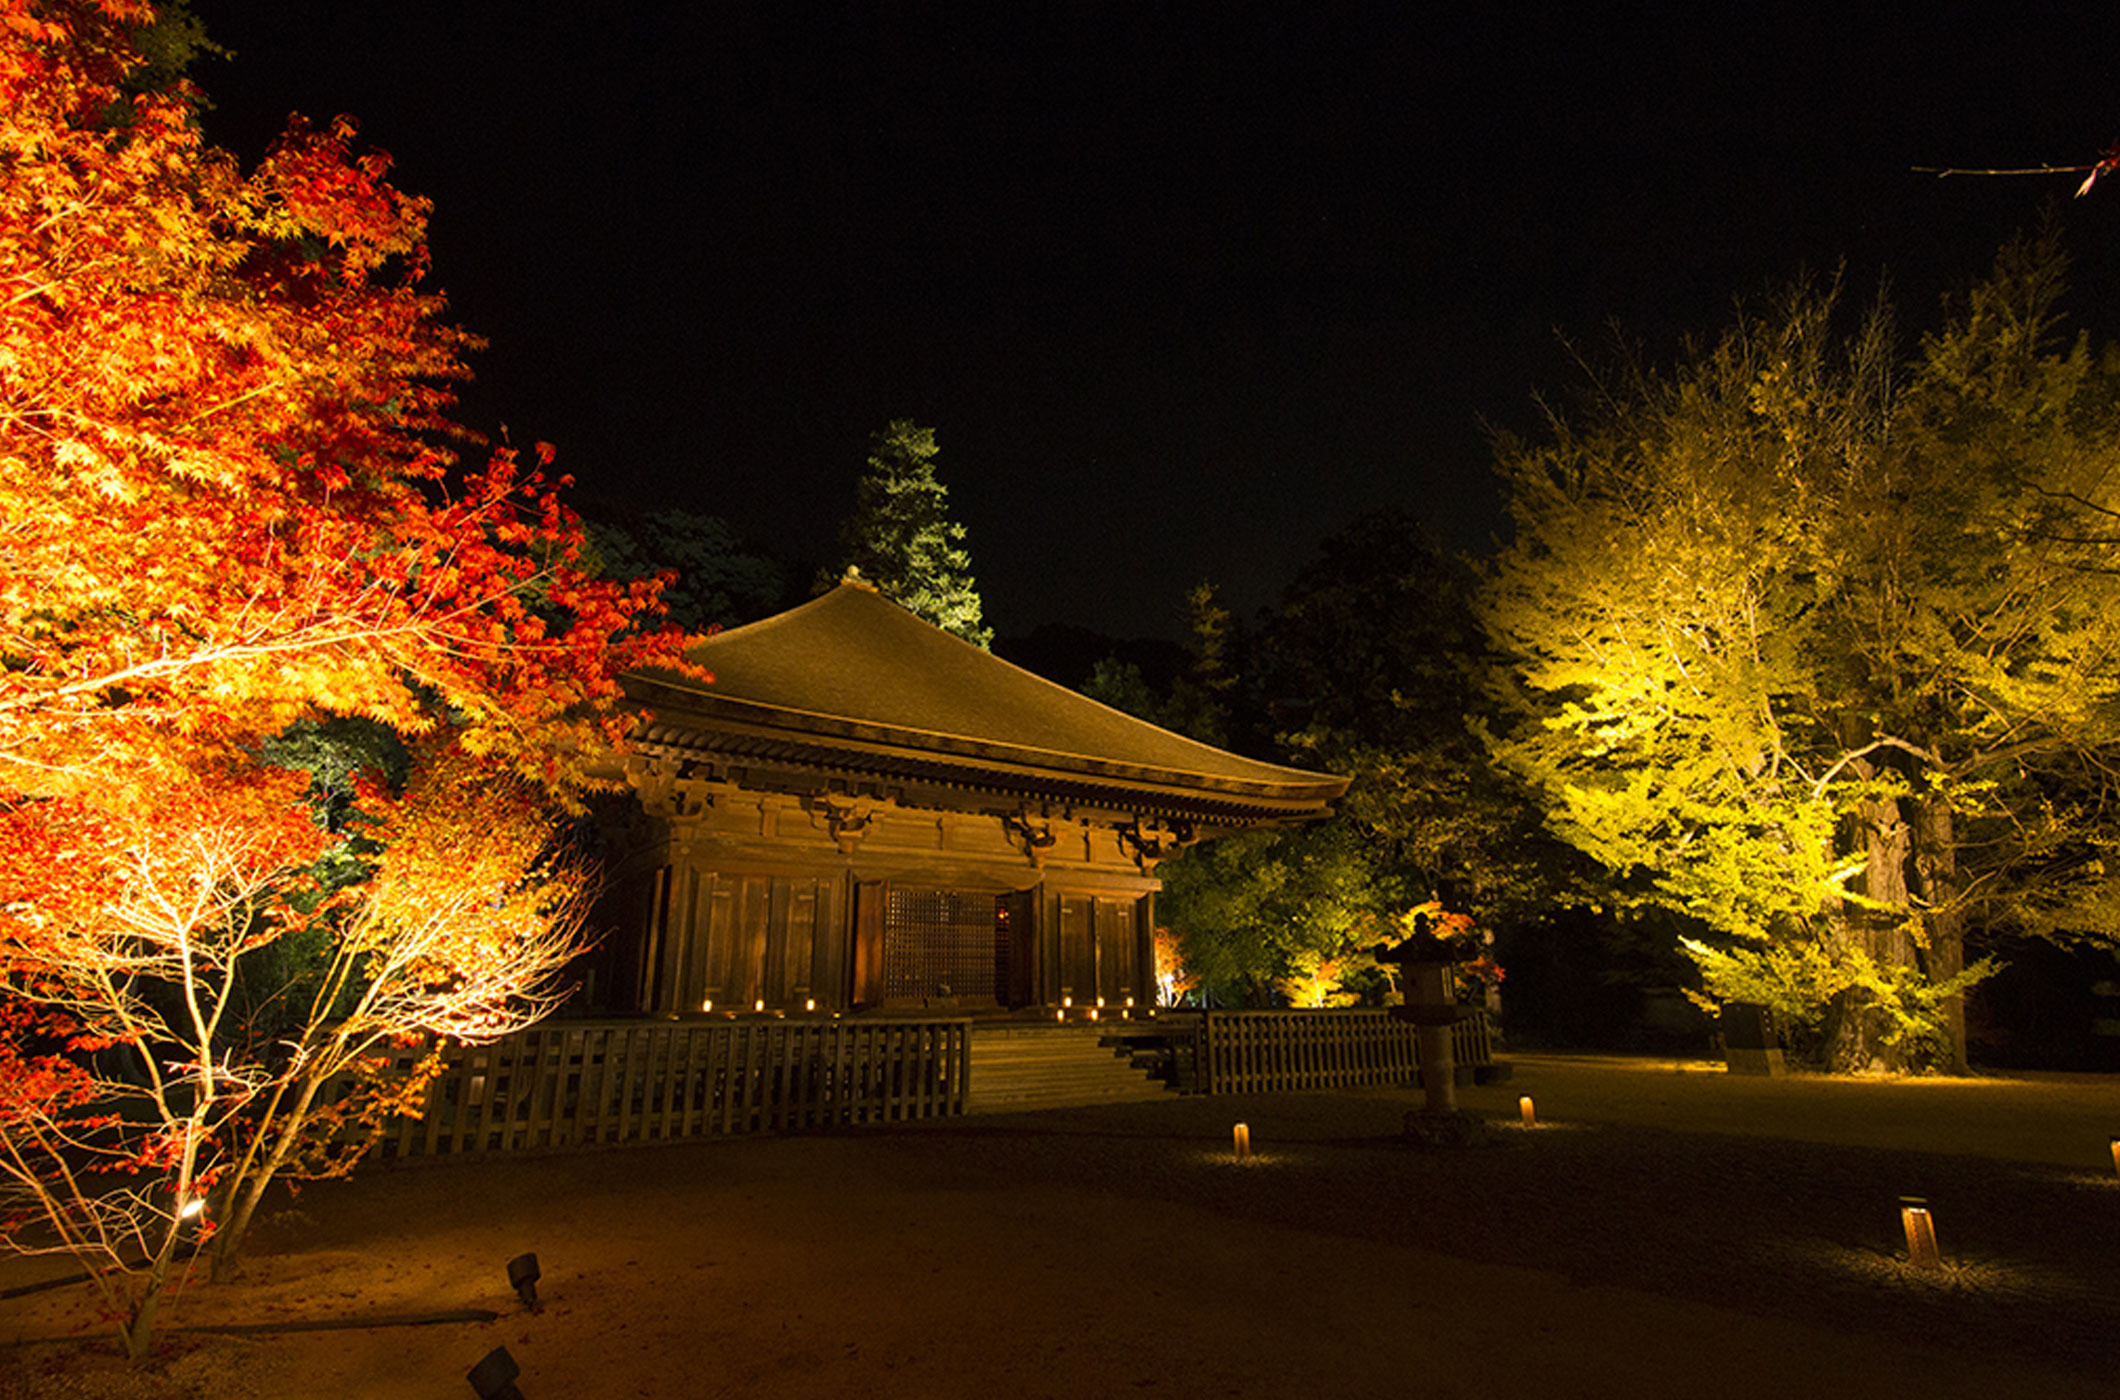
868 943
1146 988
657 925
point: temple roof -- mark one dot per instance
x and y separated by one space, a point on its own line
852 683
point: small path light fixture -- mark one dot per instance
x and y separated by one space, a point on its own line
523 1277
2116 1154
1241 1141
1921 1233
1523 1106
494 1376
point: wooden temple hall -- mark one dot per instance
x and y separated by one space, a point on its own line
864 813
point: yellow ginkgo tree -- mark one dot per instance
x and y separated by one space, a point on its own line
1818 641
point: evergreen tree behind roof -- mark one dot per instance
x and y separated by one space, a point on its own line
902 539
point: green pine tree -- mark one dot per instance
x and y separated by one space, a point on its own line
902 539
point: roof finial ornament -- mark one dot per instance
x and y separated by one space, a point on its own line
853 576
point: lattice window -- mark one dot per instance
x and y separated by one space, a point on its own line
944 943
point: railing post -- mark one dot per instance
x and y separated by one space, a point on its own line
1205 1053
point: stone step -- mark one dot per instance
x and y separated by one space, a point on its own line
1016 1069
1091 1054
1114 1070
998 1086
1072 1096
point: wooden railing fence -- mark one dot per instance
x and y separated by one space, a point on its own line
606 1083
577 1084
1243 1052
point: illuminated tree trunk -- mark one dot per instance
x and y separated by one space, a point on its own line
1857 1027
251 1185
1936 886
1908 922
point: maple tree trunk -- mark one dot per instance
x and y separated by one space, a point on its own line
228 1240
137 1331
136 1327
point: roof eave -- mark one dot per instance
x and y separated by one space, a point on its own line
682 714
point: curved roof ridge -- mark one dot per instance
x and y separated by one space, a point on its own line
852 663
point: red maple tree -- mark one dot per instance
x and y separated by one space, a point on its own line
229 502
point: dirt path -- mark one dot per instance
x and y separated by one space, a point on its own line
1639 1246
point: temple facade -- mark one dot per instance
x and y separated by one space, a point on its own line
861 812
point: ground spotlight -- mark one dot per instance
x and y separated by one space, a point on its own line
191 1218
1921 1233
494 1377
523 1277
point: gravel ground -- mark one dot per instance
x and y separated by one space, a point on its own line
1768 1227
1663 1232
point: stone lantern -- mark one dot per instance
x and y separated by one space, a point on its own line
1427 969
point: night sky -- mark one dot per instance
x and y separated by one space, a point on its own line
1182 288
